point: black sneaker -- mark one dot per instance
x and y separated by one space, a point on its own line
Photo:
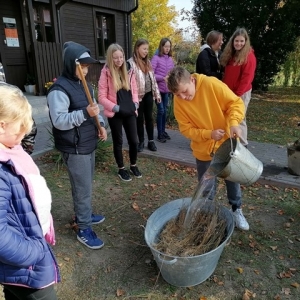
124 175
135 171
152 146
161 138
166 136
140 147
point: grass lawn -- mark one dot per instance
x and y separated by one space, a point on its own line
272 117
262 263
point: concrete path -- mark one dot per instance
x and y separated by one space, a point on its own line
273 157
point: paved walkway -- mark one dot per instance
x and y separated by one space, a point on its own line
273 157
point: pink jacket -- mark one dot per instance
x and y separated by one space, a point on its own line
107 95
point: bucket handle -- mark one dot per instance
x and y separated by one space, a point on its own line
167 262
212 153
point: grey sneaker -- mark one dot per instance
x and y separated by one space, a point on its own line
240 220
124 175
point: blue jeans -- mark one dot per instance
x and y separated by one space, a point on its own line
234 193
162 113
81 172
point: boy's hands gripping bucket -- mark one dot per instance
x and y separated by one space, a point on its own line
234 162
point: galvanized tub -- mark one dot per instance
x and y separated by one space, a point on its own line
183 271
293 159
234 162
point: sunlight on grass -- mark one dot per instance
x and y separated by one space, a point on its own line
272 117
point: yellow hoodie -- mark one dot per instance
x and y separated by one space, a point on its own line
214 106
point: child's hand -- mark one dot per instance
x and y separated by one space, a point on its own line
102 136
217 134
158 100
235 131
93 110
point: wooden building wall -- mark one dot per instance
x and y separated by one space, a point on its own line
79 29
14 59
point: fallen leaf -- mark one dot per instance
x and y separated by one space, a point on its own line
273 247
120 292
67 258
247 295
202 298
286 291
135 206
256 272
240 270
295 285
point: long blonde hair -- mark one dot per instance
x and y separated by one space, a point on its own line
143 63
119 76
14 107
240 57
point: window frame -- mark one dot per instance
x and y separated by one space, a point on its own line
112 16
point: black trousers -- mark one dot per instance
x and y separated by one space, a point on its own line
145 114
129 123
13 292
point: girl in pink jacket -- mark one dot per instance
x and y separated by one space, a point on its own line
117 92
240 63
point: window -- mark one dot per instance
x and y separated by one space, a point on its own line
42 23
105 32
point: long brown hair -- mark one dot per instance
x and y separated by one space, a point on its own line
119 77
143 63
240 57
162 42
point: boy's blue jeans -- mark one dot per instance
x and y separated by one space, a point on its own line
81 172
162 113
234 193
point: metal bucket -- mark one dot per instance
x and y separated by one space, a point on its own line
293 159
183 271
234 162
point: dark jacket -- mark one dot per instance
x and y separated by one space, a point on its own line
26 259
74 131
208 63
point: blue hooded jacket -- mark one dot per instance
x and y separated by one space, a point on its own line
25 257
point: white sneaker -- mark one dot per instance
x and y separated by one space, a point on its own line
240 220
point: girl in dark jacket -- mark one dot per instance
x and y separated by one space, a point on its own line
208 59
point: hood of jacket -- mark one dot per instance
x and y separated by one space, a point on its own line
71 52
204 47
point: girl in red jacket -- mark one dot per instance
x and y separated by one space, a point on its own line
240 63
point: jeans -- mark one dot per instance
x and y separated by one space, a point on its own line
234 193
81 172
129 124
162 113
13 292
145 114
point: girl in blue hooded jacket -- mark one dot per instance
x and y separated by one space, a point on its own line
28 269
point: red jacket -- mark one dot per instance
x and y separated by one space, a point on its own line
239 77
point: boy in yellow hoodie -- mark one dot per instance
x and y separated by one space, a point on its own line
208 112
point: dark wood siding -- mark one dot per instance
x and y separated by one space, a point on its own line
121 5
81 30
13 58
77 25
